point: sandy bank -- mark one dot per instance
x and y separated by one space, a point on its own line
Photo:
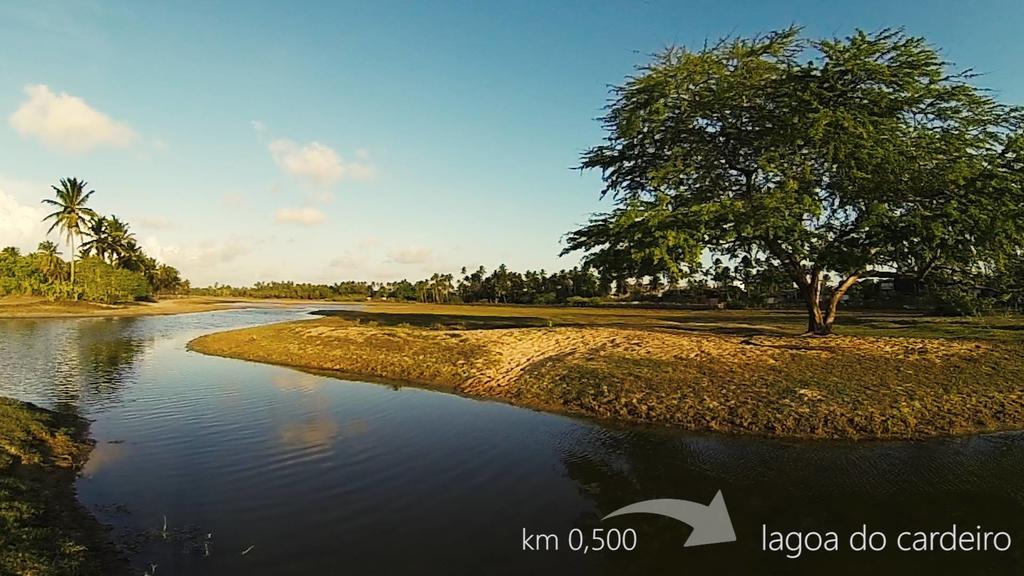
32 307
840 387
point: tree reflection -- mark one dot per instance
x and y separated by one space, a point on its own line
70 365
796 486
614 468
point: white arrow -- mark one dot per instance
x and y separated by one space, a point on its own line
711 523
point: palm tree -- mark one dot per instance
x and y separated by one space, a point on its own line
50 261
71 212
99 242
122 240
132 257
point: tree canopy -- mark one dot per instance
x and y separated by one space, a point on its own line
113 267
861 157
71 212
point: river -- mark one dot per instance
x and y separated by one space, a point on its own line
259 469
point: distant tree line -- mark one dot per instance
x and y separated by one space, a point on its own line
342 291
106 264
745 283
501 286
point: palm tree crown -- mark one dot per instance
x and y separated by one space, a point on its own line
71 212
99 243
49 256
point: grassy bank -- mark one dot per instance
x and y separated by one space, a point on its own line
709 371
43 529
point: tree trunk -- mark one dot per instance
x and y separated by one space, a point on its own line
820 322
71 240
816 320
837 296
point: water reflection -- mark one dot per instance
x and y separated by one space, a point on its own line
295 381
103 454
801 486
316 471
69 365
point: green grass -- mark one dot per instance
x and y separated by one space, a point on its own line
43 530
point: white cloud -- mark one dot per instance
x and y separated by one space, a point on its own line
306 216
67 122
204 262
410 255
233 200
202 254
349 259
157 223
322 196
315 162
20 225
362 253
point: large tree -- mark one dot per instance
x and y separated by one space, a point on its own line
71 212
849 158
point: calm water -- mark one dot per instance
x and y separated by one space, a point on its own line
327 476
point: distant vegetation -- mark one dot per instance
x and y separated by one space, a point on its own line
742 285
109 266
499 286
343 291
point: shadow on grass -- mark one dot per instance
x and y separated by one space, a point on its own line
448 321
742 323
721 324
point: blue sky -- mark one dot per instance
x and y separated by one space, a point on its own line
378 140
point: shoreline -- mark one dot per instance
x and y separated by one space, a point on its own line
846 387
13 307
46 530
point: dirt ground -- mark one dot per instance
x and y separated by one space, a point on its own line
34 307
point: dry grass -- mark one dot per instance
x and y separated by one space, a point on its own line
634 366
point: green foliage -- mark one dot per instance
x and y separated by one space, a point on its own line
341 291
71 212
582 301
957 300
530 287
861 156
114 267
21 274
102 282
166 278
34 275
501 285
